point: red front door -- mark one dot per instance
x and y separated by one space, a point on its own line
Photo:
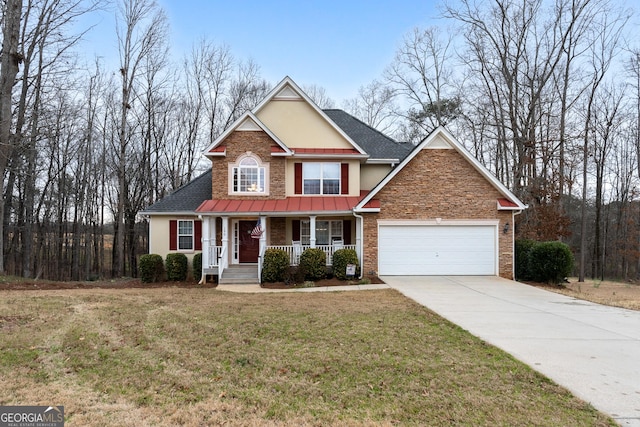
248 246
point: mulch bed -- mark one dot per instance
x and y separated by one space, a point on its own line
321 283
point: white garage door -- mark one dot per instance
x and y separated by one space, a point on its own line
437 250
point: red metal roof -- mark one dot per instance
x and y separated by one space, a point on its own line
320 204
504 203
277 149
325 151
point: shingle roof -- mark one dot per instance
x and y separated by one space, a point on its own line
374 142
186 198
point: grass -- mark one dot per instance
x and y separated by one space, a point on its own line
205 357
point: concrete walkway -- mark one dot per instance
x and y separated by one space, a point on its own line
591 349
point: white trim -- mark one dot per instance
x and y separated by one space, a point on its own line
449 139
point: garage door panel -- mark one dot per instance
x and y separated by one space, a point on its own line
436 250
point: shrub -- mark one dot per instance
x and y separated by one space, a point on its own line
176 265
522 250
313 262
197 266
275 265
151 268
342 258
550 262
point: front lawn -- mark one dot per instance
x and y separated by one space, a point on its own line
170 356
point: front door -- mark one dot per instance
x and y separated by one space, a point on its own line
248 247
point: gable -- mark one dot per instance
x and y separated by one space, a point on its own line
442 140
299 125
438 182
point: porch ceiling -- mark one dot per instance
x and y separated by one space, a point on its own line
289 205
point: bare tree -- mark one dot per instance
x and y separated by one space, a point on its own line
142 28
375 106
319 96
422 74
10 59
606 33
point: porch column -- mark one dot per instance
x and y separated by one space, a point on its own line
225 238
263 236
312 231
206 246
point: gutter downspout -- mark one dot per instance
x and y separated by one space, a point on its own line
361 243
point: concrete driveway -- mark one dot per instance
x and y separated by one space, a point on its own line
591 349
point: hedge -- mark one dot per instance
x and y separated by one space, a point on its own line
275 265
151 268
546 262
313 262
550 262
176 265
342 258
197 266
522 250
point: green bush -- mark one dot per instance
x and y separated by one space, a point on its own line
550 262
522 250
176 265
151 268
313 262
197 266
275 265
341 258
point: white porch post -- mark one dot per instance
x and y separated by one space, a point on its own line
225 235
359 237
206 246
263 236
312 231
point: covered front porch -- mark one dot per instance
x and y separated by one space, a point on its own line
242 240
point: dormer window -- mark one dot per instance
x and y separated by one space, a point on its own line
249 176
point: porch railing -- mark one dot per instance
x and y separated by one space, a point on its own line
327 249
214 256
223 261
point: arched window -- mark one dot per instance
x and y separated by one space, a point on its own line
249 176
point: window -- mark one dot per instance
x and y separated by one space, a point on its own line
321 178
248 176
326 232
185 235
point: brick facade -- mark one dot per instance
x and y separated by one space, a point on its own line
237 144
439 183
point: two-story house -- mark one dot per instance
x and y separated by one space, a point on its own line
290 175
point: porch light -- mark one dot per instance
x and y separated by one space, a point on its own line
505 230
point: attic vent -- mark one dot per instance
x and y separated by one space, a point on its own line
287 93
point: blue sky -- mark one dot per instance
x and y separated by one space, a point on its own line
338 45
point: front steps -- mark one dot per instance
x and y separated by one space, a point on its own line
246 274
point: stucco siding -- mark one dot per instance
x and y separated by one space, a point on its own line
298 125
